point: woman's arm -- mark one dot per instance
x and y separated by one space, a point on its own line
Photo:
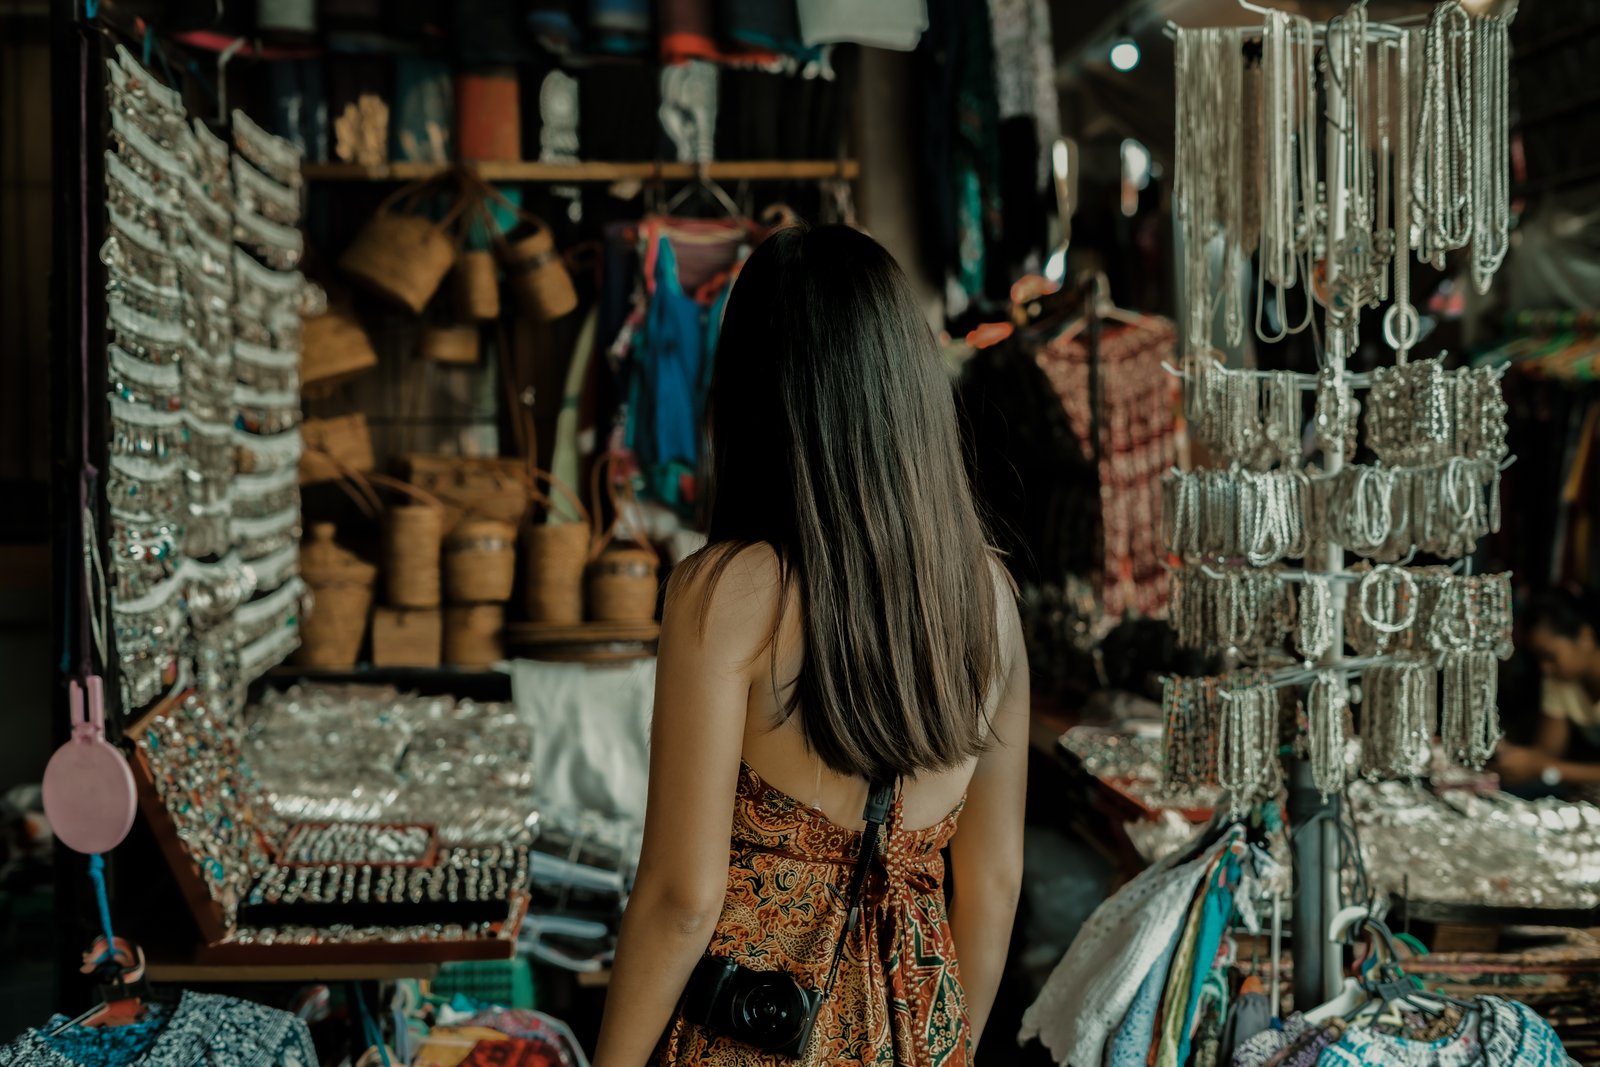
702 685
986 853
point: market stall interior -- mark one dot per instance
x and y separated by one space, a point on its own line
380 339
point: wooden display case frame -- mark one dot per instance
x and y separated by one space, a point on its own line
210 917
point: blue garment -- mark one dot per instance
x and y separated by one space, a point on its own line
1214 916
668 394
108 1046
1131 1044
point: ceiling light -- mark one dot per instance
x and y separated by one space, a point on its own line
1125 55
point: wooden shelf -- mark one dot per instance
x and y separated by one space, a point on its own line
192 973
559 173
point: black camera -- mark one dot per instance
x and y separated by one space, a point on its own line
767 1010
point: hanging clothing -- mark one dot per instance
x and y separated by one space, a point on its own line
564 455
1497 1033
1130 1047
1263 1047
1214 913
674 353
1208 1030
1308 1048
203 1030
1249 1015
1137 430
1087 996
767 25
893 24
897 999
1030 123
960 150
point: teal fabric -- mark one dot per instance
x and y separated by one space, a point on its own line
1214 918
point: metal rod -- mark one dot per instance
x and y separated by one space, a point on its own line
1309 921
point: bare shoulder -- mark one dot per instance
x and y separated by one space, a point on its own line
1008 619
727 593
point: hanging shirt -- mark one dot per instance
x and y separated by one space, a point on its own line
673 358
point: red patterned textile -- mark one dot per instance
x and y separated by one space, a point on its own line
1138 434
898 997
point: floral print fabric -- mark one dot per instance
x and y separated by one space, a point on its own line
897 1000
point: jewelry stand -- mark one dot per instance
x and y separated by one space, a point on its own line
1440 446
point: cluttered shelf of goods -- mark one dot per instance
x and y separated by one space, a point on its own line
388 335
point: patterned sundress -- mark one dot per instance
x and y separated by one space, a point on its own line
897 1001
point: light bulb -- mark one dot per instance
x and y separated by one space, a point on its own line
1125 55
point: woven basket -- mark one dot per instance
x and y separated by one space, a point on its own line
407 637
402 256
475 286
623 585
555 554
450 344
623 578
536 272
333 446
480 561
334 348
474 634
341 587
412 536
490 487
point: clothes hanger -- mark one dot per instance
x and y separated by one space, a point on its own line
1097 289
705 186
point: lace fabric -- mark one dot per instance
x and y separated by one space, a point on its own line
204 1030
1088 994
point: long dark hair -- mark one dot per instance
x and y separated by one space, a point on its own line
834 440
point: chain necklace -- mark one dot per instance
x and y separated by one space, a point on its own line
1492 179
1327 727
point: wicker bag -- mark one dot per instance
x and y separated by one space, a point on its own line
556 554
480 561
450 344
334 446
334 348
536 271
623 579
490 487
474 634
475 286
401 255
412 535
341 598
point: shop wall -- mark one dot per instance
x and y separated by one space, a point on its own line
887 189
24 389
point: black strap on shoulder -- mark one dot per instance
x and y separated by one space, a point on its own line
879 797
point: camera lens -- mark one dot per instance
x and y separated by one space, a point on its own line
771 1009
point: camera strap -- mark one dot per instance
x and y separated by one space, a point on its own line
879 797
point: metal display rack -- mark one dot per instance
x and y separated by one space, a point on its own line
1314 816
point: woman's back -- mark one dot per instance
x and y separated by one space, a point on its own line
775 745
847 624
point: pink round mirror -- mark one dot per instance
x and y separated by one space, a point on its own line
89 794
